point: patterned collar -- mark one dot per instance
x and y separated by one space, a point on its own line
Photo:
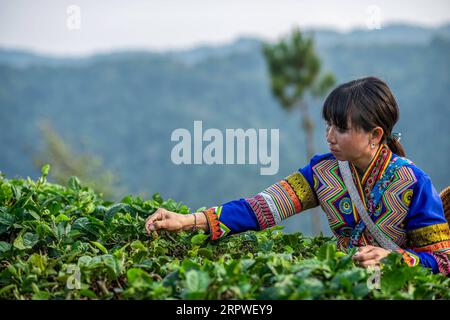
373 172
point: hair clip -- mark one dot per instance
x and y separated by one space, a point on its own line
396 136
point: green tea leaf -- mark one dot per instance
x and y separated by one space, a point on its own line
4 246
199 238
44 170
74 183
18 242
100 246
197 281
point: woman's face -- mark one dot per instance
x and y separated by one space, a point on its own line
348 145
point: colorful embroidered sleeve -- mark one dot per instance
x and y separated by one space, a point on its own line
281 200
427 230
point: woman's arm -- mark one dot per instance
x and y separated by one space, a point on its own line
172 221
269 207
427 230
288 196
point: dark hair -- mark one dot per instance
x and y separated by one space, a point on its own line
367 103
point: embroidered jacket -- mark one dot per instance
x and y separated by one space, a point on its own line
400 198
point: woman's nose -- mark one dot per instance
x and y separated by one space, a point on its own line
330 135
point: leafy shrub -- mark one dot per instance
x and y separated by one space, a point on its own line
66 242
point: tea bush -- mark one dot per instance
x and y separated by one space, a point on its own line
66 242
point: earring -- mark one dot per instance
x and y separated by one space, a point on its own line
372 145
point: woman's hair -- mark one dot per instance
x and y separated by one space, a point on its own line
367 103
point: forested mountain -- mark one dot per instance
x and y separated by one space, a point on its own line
124 106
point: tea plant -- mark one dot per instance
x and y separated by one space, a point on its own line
66 242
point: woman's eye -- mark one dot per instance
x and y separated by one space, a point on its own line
339 130
328 127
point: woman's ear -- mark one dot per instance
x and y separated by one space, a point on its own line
377 135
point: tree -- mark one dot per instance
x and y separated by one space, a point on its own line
294 69
66 163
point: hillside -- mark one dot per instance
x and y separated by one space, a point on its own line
124 106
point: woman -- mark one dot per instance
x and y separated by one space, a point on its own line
399 198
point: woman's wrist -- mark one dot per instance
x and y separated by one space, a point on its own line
195 221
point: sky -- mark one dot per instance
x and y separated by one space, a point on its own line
83 27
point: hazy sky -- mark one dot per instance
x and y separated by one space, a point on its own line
51 26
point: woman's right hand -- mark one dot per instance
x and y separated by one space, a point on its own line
166 220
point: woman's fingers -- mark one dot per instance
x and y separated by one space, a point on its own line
163 219
367 263
149 222
371 255
148 226
157 216
158 225
153 217
365 249
368 256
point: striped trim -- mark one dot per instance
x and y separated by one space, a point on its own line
262 211
213 223
302 189
273 210
372 165
330 191
443 262
395 210
440 246
410 258
292 195
282 200
429 235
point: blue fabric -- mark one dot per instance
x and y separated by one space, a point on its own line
427 260
426 206
238 216
424 210
307 170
